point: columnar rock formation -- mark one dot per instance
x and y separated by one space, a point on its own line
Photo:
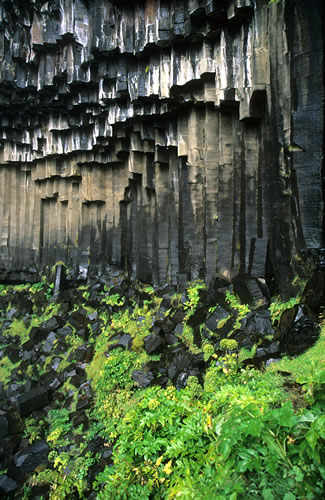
173 138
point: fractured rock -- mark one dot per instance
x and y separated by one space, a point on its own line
7 485
142 378
32 400
154 344
31 457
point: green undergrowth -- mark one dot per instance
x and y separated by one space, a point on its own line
237 433
6 367
244 434
237 437
307 367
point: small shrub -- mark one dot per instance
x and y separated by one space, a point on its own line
193 294
228 345
242 309
277 307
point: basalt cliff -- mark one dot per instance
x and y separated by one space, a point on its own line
172 139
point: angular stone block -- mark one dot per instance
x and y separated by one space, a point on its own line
32 400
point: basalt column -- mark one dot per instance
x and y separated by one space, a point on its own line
173 139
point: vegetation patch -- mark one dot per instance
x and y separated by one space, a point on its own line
230 430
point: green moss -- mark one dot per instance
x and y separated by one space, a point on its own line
6 367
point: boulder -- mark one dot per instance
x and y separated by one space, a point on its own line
92 316
32 400
78 319
180 363
38 334
218 314
11 313
258 323
124 341
297 330
217 282
154 344
31 457
314 293
198 317
51 379
64 331
49 343
3 424
53 323
83 402
84 353
171 339
178 317
13 352
249 290
142 378
7 485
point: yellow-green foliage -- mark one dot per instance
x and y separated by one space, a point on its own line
228 344
6 367
303 367
193 294
277 307
242 309
18 328
188 339
208 351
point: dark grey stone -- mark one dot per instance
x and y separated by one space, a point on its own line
53 323
32 456
258 322
124 342
171 339
38 334
154 344
218 314
11 313
3 424
49 342
142 378
92 315
179 329
7 485
64 331
78 320
32 400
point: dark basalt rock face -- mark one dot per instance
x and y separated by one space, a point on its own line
174 139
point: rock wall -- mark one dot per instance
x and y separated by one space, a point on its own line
174 139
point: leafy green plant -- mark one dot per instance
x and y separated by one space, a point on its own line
242 309
113 300
113 386
33 429
73 340
208 351
49 291
18 328
228 345
277 307
37 287
60 425
193 294
68 478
